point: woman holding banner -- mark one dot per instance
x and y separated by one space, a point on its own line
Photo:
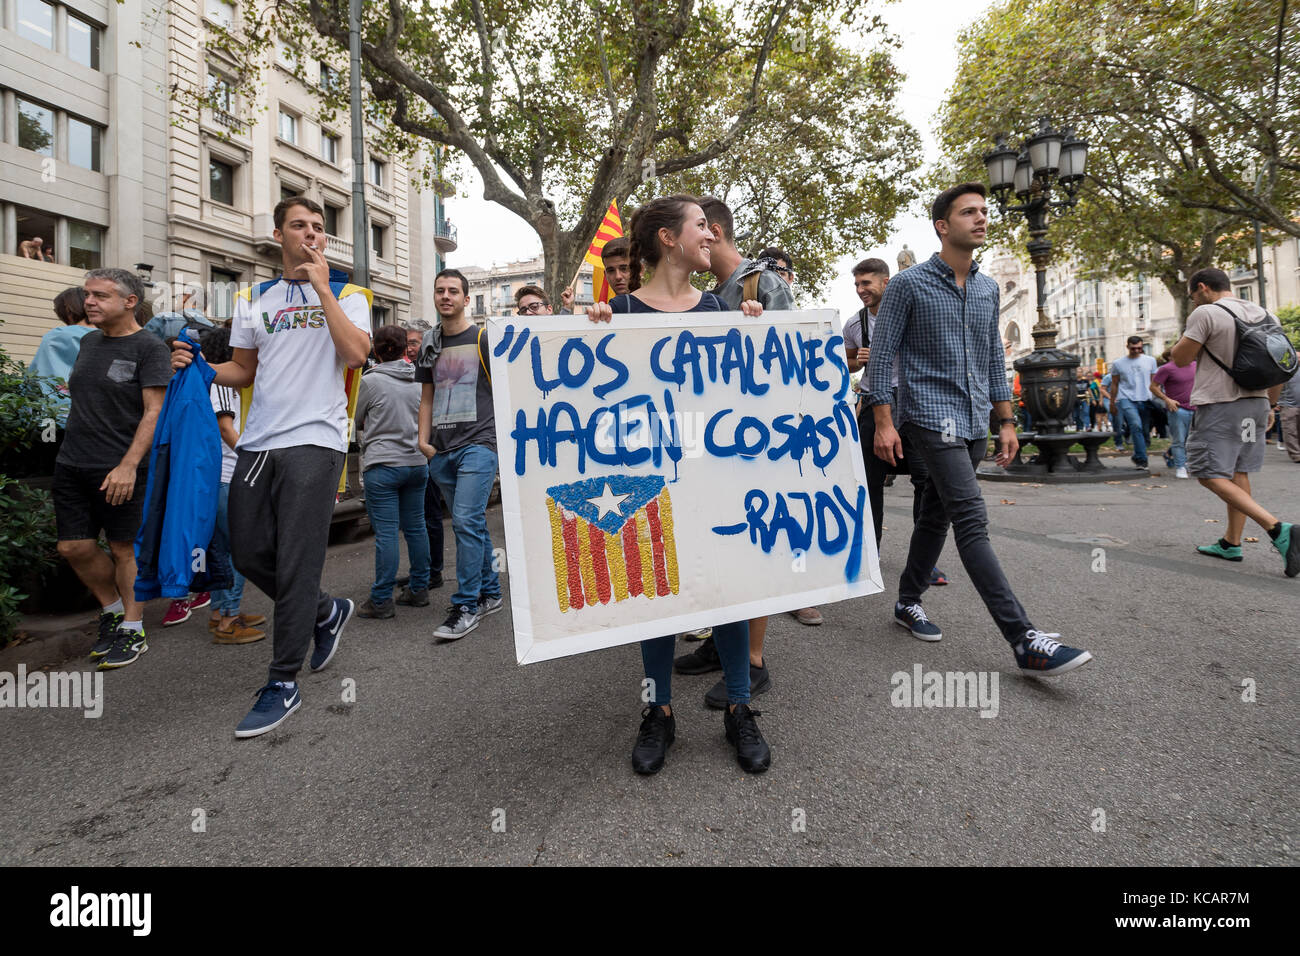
671 235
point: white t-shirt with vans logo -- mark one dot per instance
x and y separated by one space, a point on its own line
298 392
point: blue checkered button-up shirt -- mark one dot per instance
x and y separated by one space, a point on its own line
951 361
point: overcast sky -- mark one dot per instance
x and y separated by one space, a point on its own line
489 235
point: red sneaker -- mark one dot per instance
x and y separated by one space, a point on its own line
177 613
202 599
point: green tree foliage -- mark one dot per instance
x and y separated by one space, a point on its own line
1192 110
561 106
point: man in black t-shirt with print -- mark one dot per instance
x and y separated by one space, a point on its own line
458 434
116 387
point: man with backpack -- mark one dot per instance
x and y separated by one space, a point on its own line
1249 361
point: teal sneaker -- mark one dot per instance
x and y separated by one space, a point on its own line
1287 543
1217 550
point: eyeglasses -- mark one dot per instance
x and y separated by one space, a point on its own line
532 308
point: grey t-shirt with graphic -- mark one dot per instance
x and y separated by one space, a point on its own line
106 389
462 391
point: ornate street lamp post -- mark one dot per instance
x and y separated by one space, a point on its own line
1050 160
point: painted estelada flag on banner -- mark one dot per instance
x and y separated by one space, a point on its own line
611 228
612 540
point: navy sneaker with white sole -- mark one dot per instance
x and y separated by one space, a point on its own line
328 634
1043 655
912 617
275 702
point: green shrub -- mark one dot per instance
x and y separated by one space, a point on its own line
27 546
26 411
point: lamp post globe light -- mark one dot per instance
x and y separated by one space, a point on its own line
1050 162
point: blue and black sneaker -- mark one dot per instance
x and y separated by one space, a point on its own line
275 702
1044 656
328 634
912 617
108 623
127 647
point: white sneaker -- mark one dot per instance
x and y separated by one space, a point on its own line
460 621
1181 473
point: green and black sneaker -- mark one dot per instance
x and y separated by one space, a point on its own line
1221 549
108 622
127 646
1287 543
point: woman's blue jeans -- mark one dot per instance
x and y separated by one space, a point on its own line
732 643
395 500
1180 422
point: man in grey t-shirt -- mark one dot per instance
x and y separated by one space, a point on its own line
458 435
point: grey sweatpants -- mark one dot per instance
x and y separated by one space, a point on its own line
281 502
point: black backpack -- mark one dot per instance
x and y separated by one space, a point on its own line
1265 356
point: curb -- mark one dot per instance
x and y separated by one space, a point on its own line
49 648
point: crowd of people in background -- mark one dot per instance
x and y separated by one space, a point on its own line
425 426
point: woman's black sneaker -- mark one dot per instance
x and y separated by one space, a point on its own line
752 752
658 731
699 661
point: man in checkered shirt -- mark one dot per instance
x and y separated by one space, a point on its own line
940 318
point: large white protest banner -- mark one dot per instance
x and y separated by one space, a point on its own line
665 472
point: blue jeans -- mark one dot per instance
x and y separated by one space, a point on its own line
732 643
1137 419
1179 423
1081 414
225 602
395 498
464 476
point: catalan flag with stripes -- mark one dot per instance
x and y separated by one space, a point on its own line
611 228
612 540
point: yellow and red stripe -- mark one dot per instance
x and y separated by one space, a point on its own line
611 227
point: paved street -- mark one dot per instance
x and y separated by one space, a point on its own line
1154 734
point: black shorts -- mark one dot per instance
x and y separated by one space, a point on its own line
81 510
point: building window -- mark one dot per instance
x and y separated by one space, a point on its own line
329 77
219 90
288 127
221 182
379 316
225 286
331 219
1243 293
35 128
83 42
376 172
478 305
85 245
221 12
83 144
377 240
36 22
35 234
329 147
287 55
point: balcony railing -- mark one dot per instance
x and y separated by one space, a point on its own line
444 236
380 193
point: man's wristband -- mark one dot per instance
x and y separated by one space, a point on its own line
1006 421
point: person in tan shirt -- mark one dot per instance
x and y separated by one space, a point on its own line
1226 441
